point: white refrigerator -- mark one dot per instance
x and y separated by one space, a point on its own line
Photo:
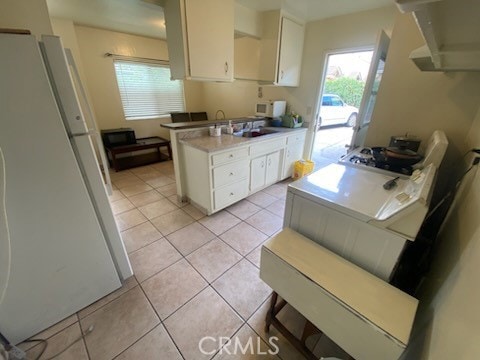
66 251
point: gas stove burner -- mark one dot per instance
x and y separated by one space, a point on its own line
355 159
364 157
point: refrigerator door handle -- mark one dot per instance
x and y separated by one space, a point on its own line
104 162
93 132
88 133
95 136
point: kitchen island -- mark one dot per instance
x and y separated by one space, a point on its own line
215 172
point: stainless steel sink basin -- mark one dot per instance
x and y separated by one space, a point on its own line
258 132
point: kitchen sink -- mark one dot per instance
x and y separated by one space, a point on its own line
258 132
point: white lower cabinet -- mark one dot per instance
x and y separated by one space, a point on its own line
257 173
293 152
273 168
230 194
215 180
264 171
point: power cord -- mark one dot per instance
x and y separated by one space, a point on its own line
475 162
45 344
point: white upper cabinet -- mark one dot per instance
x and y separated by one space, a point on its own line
281 49
200 39
290 53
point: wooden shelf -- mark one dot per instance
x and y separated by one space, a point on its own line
132 160
139 160
450 29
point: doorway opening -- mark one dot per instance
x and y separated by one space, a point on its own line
344 81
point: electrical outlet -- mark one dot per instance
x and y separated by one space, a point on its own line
16 353
260 92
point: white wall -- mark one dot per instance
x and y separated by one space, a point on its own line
100 75
342 32
419 102
26 14
66 30
352 31
237 99
247 21
446 326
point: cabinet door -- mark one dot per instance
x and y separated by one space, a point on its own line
293 153
290 56
257 173
273 167
210 38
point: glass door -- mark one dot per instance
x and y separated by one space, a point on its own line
371 89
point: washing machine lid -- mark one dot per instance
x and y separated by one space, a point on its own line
360 193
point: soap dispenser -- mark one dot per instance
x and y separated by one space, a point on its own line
229 127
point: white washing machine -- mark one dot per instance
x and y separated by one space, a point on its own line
348 210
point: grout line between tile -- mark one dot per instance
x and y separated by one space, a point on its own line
161 323
158 272
187 301
83 338
94 311
184 257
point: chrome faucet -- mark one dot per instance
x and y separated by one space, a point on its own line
216 115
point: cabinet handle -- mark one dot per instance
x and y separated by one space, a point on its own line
263 164
231 194
269 162
281 74
230 156
231 174
226 68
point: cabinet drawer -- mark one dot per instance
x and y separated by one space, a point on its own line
265 147
296 138
231 172
231 155
229 194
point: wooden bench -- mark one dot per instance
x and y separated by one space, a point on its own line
364 315
153 142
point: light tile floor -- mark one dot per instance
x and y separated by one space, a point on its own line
195 276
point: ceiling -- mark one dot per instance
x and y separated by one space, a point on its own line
128 16
316 9
144 17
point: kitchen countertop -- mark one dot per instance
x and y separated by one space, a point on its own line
226 141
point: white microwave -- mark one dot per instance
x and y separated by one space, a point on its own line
271 109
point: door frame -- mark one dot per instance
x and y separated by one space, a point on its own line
312 132
380 54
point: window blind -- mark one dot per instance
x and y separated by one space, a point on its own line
147 91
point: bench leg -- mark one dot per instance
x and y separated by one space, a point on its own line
271 320
271 312
114 162
308 331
